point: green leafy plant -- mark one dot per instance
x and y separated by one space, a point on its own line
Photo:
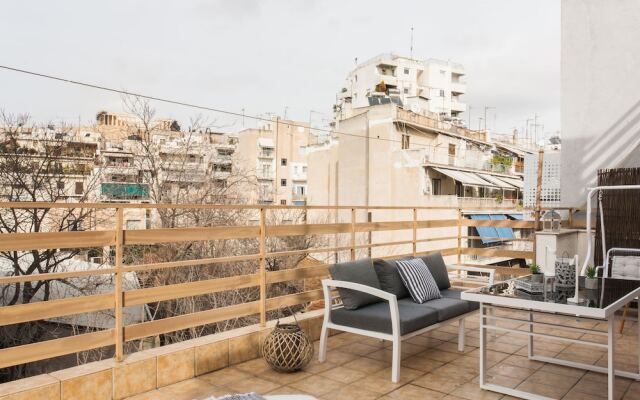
535 268
591 272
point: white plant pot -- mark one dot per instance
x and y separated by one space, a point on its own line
590 283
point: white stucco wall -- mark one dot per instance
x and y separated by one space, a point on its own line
600 83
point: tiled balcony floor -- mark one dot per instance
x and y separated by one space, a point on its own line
432 368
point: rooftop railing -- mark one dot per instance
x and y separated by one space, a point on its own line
362 230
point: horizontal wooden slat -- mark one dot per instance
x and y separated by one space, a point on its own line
437 223
488 252
275 303
54 348
293 274
498 223
153 328
307 229
54 308
383 226
55 240
191 263
169 292
55 275
171 235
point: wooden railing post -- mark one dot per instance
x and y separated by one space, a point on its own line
118 291
263 267
415 231
459 252
353 234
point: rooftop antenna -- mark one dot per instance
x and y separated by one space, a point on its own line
411 49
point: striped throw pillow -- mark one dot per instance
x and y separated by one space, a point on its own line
416 277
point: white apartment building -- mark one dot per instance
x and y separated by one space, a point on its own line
425 86
275 153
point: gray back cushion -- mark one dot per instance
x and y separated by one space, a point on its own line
360 271
389 278
438 269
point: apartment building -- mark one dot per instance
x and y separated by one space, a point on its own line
275 152
424 86
388 155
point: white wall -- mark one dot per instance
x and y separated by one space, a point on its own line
600 81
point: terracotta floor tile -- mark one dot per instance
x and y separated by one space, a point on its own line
440 383
472 391
421 363
555 392
366 365
317 385
316 366
192 389
253 384
343 374
439 355
254 366
352 392
225 376
283 378
414 392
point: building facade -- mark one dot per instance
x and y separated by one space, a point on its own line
275 153
429 87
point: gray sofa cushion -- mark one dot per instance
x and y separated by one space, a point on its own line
389 278
377 317
438 269
360 271
446 308
455 294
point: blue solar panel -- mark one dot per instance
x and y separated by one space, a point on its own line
505 233
485 231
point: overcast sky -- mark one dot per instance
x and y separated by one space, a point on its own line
265 56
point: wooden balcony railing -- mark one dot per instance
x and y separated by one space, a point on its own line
412 222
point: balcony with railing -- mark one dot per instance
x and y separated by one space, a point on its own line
199 335
433 123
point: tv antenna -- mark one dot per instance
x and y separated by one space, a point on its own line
411 48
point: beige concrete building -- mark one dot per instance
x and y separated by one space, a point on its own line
275 152
385 155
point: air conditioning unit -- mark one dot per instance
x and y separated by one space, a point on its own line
95 260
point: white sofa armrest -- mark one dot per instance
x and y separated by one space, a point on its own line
489 271
328 284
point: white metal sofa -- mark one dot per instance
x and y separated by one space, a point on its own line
388 317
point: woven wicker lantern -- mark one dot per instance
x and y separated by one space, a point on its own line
287 348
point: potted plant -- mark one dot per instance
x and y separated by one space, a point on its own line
591 280
536 275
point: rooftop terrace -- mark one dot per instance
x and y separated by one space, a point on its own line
213 360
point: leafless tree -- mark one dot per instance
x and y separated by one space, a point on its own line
34 170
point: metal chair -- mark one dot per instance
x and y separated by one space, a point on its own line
621 263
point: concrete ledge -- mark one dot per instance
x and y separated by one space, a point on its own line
150 369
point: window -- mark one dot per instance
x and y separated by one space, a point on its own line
406 90
436 187
283 202
79 187
283 162
61 185
283 182
406 71
452 149
441 92
405 142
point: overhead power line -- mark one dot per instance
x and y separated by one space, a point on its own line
191 105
